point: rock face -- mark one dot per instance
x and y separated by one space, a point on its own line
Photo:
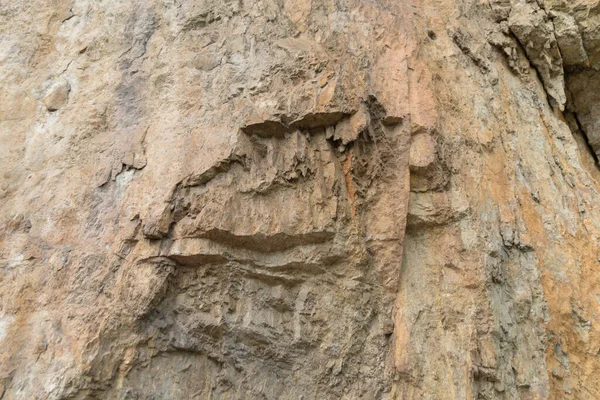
284 199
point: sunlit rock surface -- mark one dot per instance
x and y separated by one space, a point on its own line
299 199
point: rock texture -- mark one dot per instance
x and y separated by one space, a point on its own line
284 199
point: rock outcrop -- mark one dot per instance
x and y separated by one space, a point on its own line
300 199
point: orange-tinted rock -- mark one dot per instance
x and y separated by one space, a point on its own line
299 199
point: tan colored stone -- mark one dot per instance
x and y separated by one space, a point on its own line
348 130
57 95
423 154
299 199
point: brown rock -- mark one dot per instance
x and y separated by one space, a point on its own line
299 199
348 130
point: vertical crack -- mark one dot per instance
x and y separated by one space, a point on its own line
584 135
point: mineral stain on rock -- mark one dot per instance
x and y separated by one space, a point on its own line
299 199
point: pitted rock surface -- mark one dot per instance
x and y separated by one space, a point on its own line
299 199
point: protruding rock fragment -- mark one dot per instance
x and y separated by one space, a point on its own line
266 129
500 9
347 130
157 228
569 40
531 25
422 152
427 173
317 120
585 91
429 209
57 95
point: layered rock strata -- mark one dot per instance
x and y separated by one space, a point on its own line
299 199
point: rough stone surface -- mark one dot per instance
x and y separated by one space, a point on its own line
57 95
285 199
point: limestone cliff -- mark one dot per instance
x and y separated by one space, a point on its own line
300 199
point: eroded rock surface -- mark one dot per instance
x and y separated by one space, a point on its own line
299 199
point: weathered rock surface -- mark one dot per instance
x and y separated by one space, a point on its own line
299 199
